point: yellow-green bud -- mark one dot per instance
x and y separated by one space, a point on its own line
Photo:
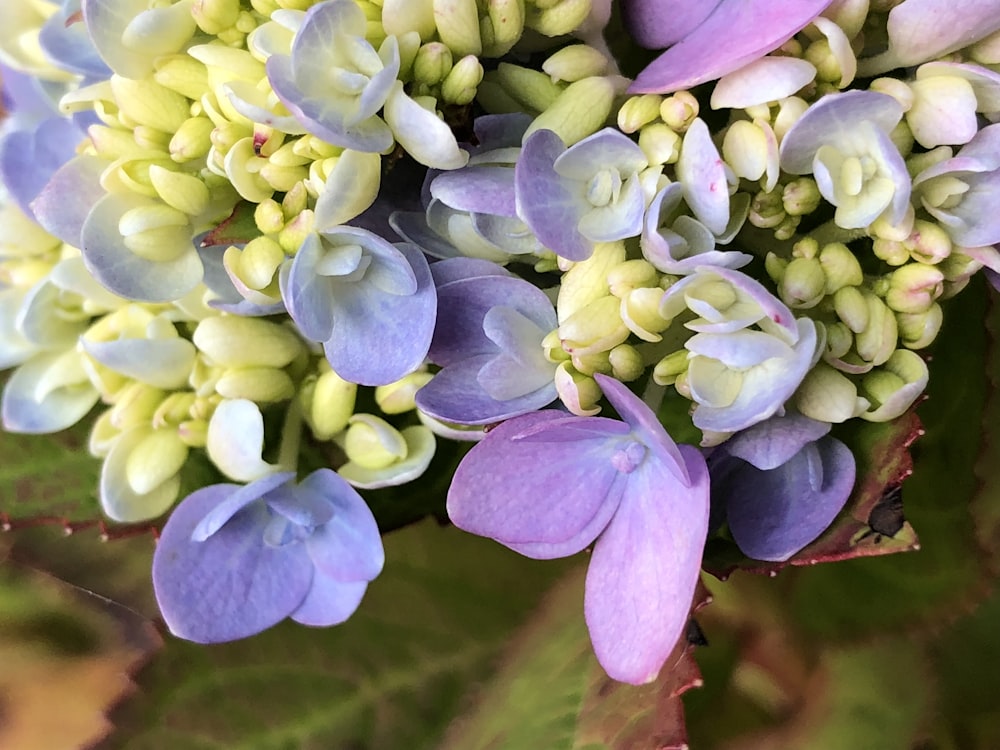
840 266
575 62
556 18
745 149
398 397
193 433
214 16
640 311
183 75
986 51
671 367
552 346
679 110
581 110
828 396
775 266
173 410
373 443
181 191
587 280
638 111
877 342
591 362
156 458
459 86
432 64
295 201
928 243
882 228
295 232
801 196
659 143
839 340
192 140
767 210
822 57
531 88
579 393
897 89
269 217
136 403
458 26
259 384
893 252
236 341
148 103
913 288
787 228
156 232
631 274
283 179
851 307
597 327
502 26
894 387
917 330
327 402
803 283
626 362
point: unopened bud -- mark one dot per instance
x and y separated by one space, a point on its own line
399 397
659 143
373 443
580 110
638 111
827 395
913 288
803 283
668 369
459 86
840 266
626 362
579 393
575 62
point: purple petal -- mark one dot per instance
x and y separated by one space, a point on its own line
231 585
544 200
348 548
771 443
456 395
457 269
750 29
645 566
655 24
307 294
229 505
329 602
64 204
28 159
368 345
516 491
773 514
477 188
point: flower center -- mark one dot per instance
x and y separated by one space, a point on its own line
628 458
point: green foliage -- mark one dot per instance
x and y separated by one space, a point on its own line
393 676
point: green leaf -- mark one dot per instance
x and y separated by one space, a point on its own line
237 229
551 693
393 676
48 477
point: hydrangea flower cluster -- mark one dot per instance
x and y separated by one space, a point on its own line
231 227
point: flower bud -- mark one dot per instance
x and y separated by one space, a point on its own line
893 388
580 110
803 283
918 330
745 149
576 62
591 362
155 459
877 342
640 311
587 280
432 64
638 111
775 266
579 393
156 232
214 16
626 276
851 307
893 252
294 233
556 18
801 196
459 86
181 191
398 397
458 26
327 402
182 74
913 288
135 405
659 143
597 327
840 267
828 396
373 443
502 26
928 243
552 347
532 88
883 229
671 367
839 340
269 217
679 110
234 341
148 103
626 363
192 140
258 384
767 210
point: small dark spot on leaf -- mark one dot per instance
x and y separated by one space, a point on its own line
886 517
694 634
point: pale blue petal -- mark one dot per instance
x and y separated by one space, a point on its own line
771 443
329 602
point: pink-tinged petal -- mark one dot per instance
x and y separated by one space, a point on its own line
738 32
645 566
348 547
516 490
774 514
701 172
921 30
232 585
329 602
655 24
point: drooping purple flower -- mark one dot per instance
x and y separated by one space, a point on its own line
371 303
573 198
488 340
709 40
235 560
780 484
962 192
548 484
